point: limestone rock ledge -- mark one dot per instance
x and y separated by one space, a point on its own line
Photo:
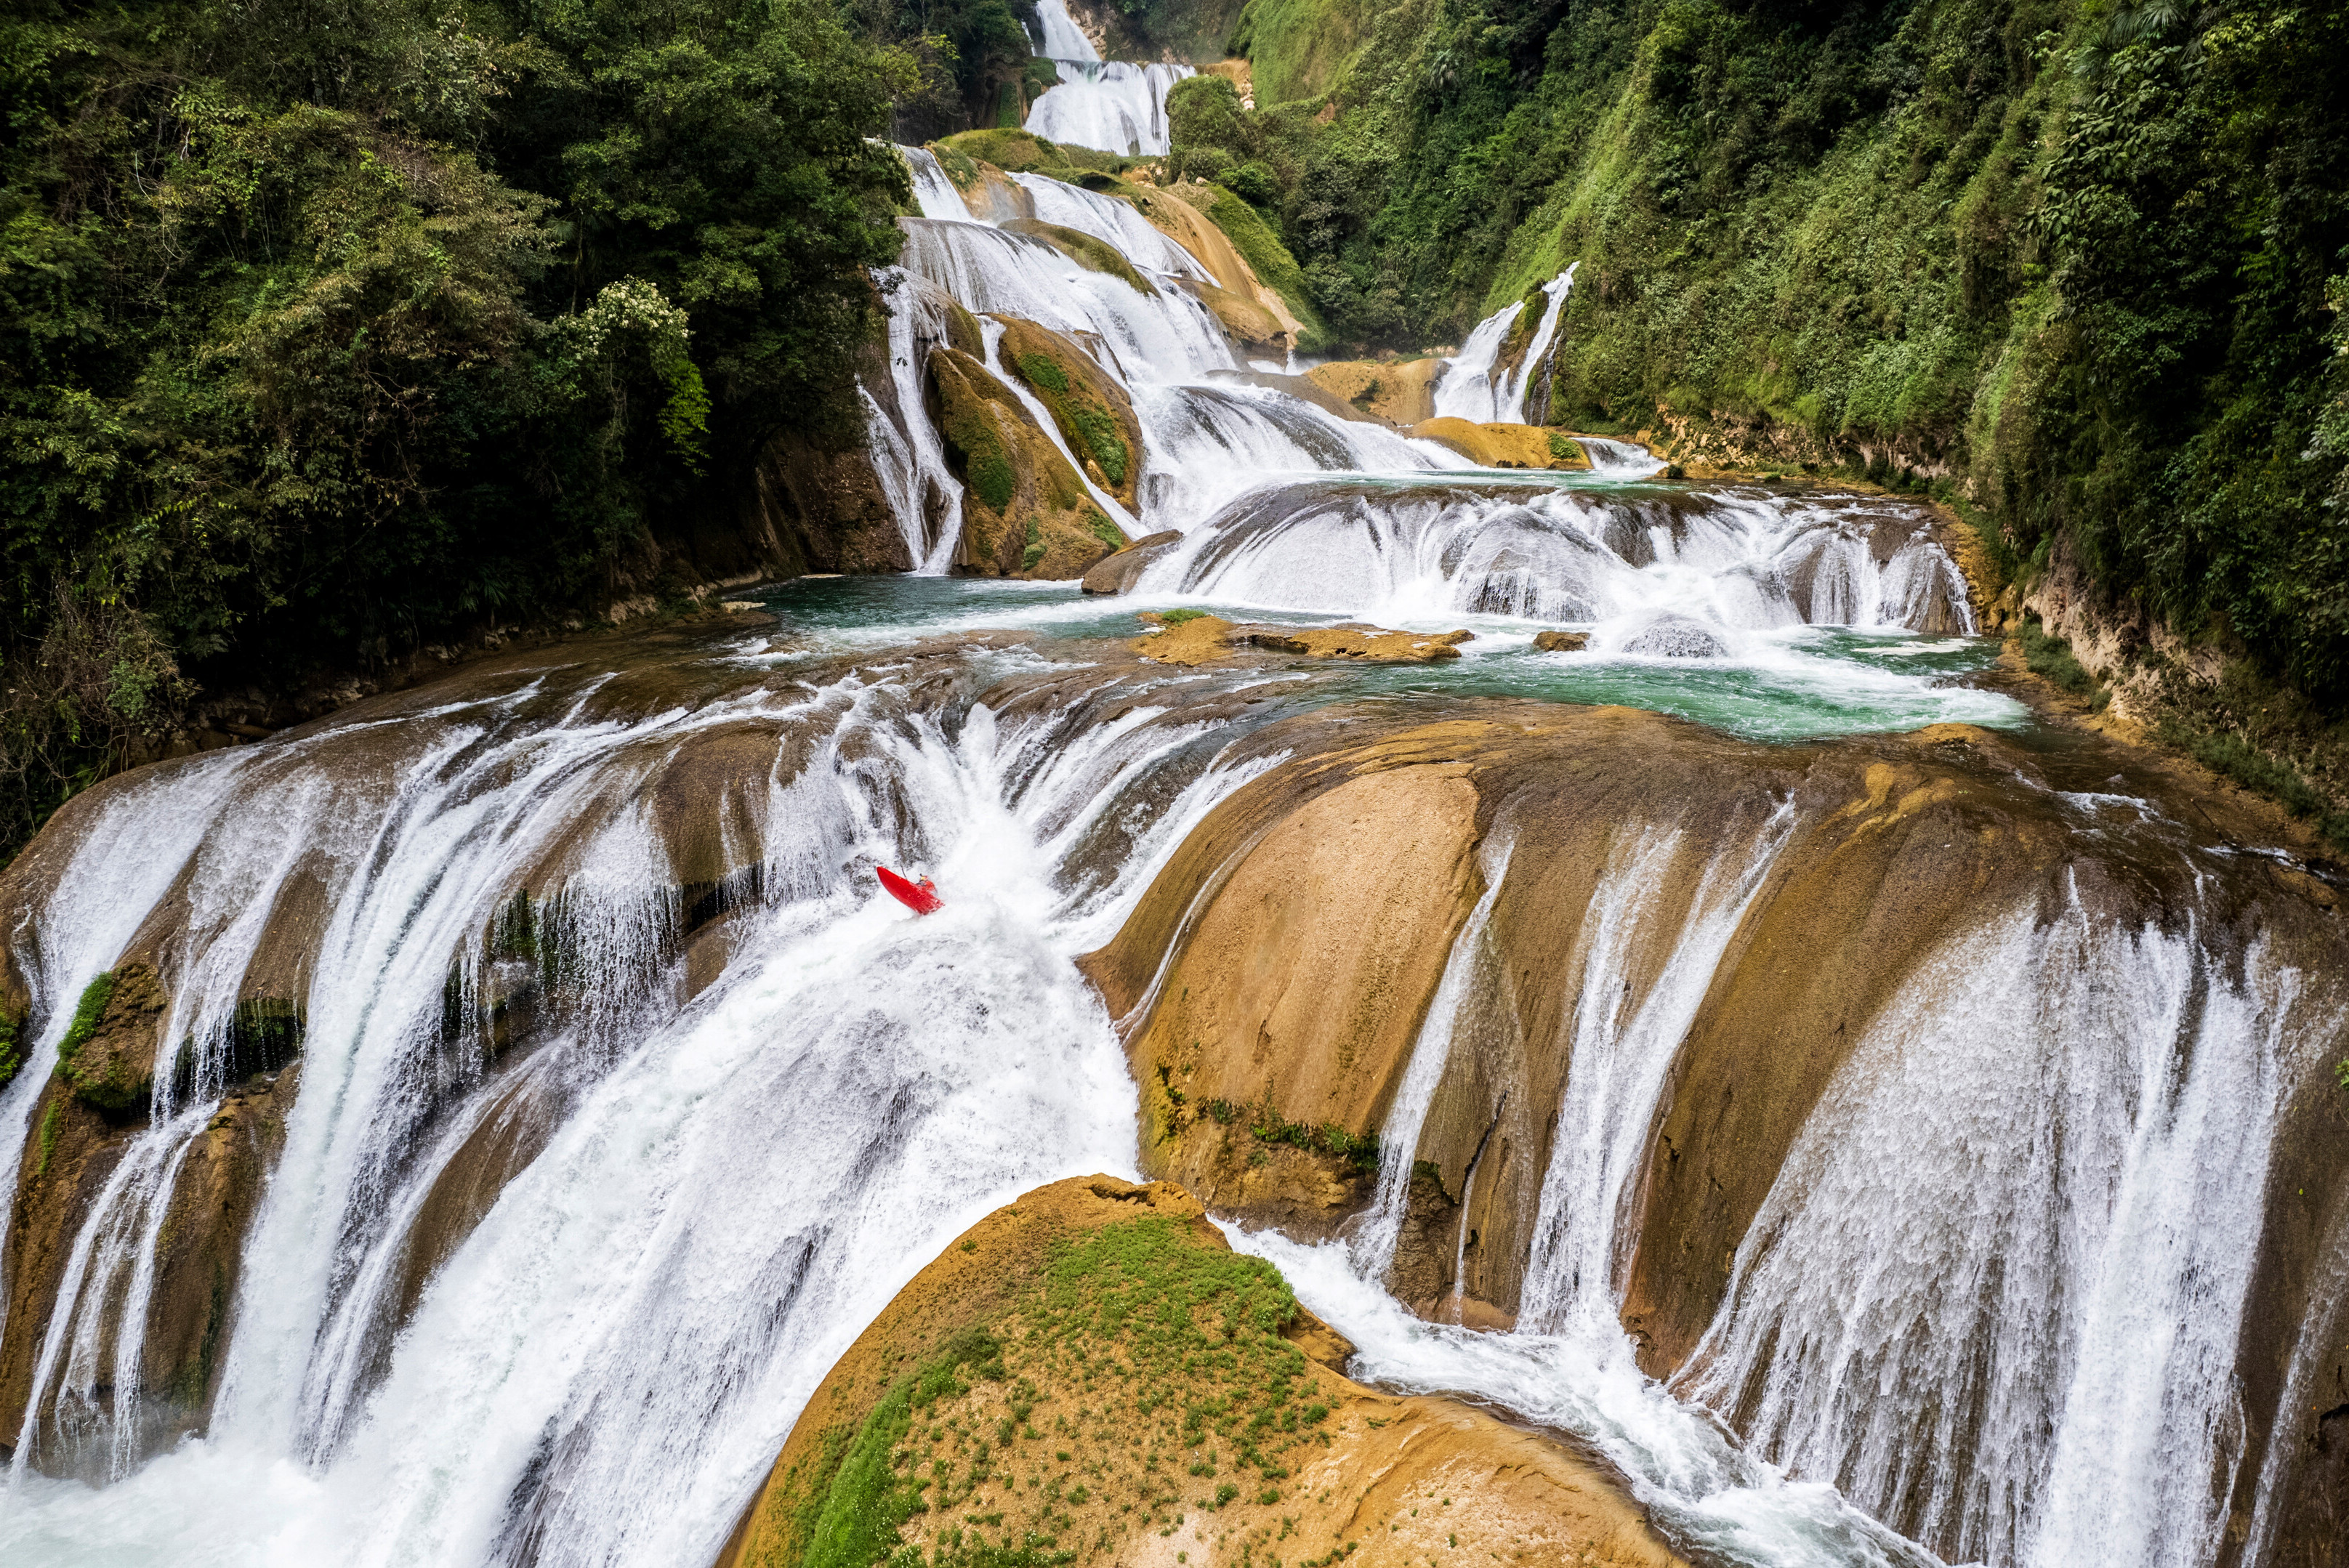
1092 1375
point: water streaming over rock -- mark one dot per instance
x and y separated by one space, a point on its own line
625 1100
1473 388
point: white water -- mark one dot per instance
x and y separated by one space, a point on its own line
621 1344
1469 388
2029 1353
1061 40
734 1185
1627 565
1627 1028
934 193
1115 107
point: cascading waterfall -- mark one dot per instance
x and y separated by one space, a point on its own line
934 193
1205 441
2029 1356
1469 387
1992 1300
1682 576
1113 107
568 1369
1627 1027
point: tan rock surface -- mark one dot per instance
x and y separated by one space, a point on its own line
1202 639
1497 446
1062 1436
1401 392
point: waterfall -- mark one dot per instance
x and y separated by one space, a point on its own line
934 193
1374 1237
1061 40
918 483
1996 1289
653 1294
1469 388
1115 107
1089 212
1725 565
1628 1024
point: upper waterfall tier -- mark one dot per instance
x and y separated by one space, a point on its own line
1113 106
1475 388
1062 40
1667 572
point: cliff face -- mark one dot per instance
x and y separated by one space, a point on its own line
1091 1370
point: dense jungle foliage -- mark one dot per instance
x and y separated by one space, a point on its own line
2083 263
329 326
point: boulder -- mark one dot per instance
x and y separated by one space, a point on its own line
1118 573
1561 642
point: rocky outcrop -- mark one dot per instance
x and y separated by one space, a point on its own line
70 1152
970 1416
1194 637
1503 446
1118 573
108 1055
1094 415
1400 391
1025 511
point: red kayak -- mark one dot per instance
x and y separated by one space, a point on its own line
921 897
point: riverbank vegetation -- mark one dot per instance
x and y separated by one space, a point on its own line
324 332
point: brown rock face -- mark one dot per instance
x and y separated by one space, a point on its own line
988 1370
1118 573
1401 392
69 1154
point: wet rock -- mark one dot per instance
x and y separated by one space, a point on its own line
1025 511
1252 328
1191 638
1676 637
107 1054
976 1375
1118 573
1092 411
71 1153
1561 642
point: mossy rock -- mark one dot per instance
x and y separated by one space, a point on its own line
107 1054
1094 415
1093 254
1026 512
12 1044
